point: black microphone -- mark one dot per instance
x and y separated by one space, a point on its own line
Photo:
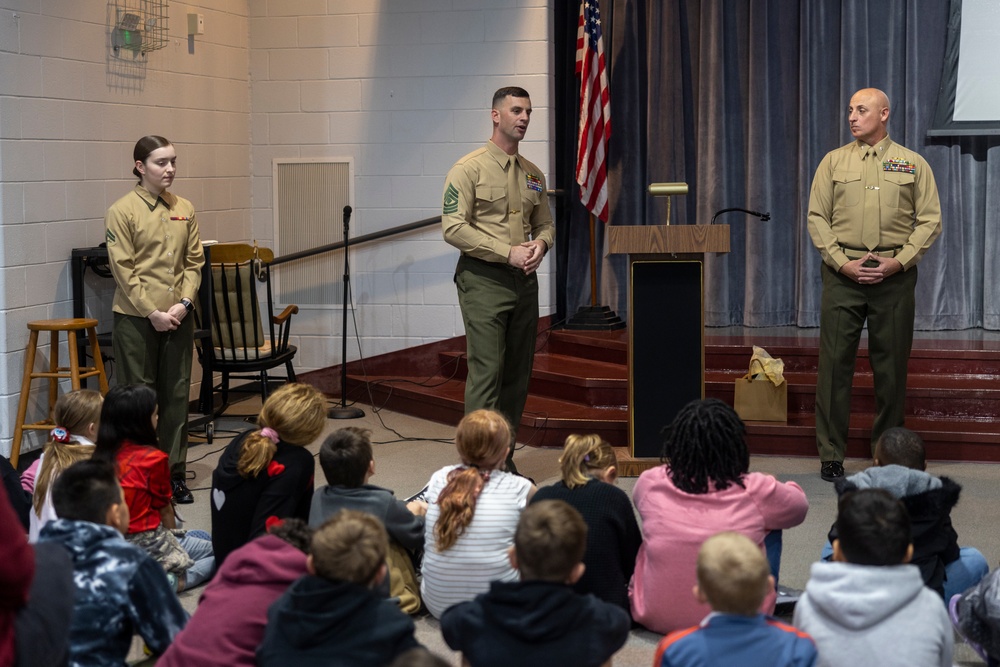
347 213
763 216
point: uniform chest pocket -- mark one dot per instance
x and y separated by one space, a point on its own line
491 200
846 188
898 190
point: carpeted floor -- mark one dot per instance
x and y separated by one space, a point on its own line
408 450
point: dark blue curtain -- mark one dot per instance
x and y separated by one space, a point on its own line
741 99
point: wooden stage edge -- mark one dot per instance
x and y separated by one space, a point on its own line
630 466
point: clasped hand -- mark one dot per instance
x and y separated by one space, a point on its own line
527 256
871 274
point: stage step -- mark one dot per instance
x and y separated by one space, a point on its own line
580 384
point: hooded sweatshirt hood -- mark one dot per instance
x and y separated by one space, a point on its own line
861 596
264 561
80 538
533 611
898 480
308 618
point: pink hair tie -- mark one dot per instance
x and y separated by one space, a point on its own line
59 434
270 434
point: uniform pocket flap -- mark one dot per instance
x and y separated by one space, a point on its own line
846 176
490 194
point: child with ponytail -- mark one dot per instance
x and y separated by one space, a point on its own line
589 471
472 514
267 474
126 437
76 415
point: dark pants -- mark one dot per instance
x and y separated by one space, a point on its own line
888 308
500 310
161 360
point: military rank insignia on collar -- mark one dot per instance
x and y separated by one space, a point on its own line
900 165
533 182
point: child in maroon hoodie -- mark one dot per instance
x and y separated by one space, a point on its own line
229 622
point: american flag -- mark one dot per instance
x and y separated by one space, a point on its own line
595 111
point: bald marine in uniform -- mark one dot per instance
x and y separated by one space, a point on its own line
873 213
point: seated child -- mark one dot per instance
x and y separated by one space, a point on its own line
331 616
703 488
589 471
734 578
976 616
348 463
77 414
251 579
120 590
869 607
539 620
127 437
267 474
472 515
899 468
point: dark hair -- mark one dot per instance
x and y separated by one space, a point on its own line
508 91
550 540
706 443
296 532
873 527
85 490
345 456
903 447
143 148
127 414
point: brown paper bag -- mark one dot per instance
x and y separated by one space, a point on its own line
760 400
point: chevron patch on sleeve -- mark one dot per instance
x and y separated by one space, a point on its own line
450 200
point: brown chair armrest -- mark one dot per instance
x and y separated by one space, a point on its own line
286 313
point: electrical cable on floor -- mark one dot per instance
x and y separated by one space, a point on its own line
377 409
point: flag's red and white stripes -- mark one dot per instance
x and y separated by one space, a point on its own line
595 111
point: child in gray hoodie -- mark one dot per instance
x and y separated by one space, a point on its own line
868 606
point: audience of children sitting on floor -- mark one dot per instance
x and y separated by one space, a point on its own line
516 575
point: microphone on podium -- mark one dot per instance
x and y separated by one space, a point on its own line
763 216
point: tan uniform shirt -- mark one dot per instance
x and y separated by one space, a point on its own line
910 211
476 215
154 251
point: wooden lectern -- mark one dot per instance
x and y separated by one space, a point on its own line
666 324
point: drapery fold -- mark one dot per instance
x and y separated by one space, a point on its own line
741 99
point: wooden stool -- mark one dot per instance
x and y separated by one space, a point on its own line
74 372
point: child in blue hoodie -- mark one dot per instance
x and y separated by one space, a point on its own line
734 578
539 621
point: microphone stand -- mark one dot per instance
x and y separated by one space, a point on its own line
763 216
345 412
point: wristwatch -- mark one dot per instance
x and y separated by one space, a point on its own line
188 306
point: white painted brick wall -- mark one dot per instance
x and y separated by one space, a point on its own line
67 127
405 87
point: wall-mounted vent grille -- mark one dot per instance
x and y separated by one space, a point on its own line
309 200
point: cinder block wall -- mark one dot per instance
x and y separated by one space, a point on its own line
70 113
402 86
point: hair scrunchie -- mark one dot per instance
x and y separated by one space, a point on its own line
59 434
270 434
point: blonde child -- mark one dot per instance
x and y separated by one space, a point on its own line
267 474
76 415
472 514
734 578
589 471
